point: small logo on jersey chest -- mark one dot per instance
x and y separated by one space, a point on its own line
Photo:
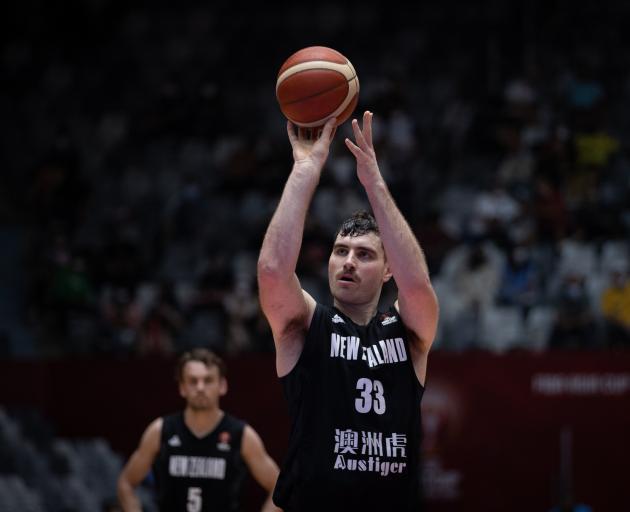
174 441
386 320
337 320
224 442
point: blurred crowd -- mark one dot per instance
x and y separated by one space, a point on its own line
41 472
144 154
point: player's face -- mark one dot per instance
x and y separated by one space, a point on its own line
357 268
201 386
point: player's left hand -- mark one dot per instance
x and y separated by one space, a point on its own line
363 150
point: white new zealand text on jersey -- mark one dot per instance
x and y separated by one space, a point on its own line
196 467
391 350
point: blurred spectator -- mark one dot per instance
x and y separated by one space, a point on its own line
594 150
162 324
435 239
493 212
58 193
574 326
72 301
519 281
122 319
474 272
188 212
120 257
549 210
615 306
241 305
471 277
577 253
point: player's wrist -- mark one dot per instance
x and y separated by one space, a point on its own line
307 167
373 181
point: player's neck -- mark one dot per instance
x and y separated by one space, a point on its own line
203 422
360 314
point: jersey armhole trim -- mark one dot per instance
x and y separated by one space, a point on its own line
317 317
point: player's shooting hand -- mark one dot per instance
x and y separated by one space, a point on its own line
363 150
311 147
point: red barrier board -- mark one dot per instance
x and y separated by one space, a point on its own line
492 424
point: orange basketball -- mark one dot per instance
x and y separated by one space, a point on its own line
315 84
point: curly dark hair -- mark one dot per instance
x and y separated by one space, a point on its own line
360 223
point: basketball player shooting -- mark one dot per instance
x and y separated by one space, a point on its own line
353 377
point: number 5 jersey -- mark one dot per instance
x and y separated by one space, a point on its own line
200 474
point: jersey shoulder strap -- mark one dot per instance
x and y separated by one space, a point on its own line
171 424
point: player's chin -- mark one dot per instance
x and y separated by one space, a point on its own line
200 403
344 293
200 407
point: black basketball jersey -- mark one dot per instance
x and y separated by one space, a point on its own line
354 402
199 474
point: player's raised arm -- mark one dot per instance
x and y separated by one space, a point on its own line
287 308
138 467
417 301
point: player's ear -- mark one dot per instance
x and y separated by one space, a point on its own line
387 275
223 386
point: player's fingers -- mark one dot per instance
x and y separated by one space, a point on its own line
305 134
291 132
358 136
354 149
329 129
367 127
